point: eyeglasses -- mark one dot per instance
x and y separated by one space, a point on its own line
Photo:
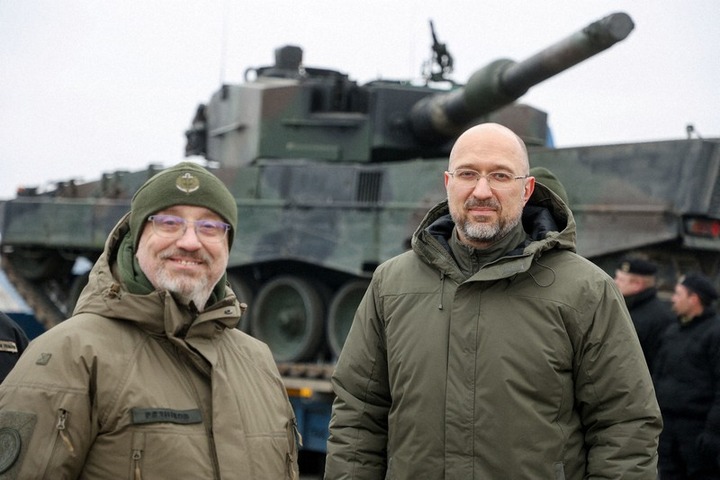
496 180
170 226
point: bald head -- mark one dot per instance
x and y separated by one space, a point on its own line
491 136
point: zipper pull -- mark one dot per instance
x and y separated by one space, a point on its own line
138 447
442 290
136 456
61 428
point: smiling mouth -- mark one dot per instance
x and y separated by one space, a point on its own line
184 262
183 259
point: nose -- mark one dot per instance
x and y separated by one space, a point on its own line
189 239
482 188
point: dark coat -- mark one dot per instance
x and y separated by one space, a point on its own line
651 316
687 380
687 369
13 342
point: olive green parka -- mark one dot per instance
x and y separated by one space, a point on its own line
528 369
142 387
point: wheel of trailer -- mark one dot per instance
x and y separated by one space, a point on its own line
244 293
342 311
288 315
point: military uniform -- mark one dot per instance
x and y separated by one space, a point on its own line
13 342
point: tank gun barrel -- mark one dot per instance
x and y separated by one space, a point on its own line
443 116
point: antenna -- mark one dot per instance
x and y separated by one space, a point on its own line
690 129
441 59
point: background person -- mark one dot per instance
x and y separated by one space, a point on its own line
491 350
150 378
13 342
687 380
636 279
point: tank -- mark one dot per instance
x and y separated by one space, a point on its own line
332 177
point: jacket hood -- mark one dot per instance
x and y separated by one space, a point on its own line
157 312
548 222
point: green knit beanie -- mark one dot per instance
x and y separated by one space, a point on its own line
184 184
547 178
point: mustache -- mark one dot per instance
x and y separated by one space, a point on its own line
489 203
179 252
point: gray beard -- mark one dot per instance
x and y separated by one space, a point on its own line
483 232
186 289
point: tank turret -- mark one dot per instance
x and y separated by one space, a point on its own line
292 110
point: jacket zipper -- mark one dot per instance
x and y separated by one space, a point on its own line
294 439
137 456
207 419
213 449
62 418
442 290
60 427
138 447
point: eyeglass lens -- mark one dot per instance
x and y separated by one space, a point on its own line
170 226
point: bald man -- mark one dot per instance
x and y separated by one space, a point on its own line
491 349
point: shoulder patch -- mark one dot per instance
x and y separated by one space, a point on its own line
10 446
43 359
16 428
8 346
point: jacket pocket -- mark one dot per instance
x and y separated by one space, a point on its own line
273 455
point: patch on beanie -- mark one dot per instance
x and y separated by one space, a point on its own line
187 182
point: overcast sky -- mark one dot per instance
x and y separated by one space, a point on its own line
92 86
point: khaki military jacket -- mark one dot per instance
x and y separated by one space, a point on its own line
139 386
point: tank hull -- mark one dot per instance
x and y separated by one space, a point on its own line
312 233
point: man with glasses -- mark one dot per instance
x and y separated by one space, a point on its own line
491 350
150 378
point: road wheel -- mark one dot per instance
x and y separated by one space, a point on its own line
288 315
